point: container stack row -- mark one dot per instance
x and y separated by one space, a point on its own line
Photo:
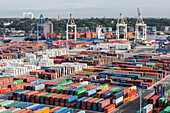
91 58
84 95
11 106
157 102
58 70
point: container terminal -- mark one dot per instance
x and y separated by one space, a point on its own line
85 72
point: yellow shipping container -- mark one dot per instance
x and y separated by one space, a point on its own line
152 74
19 86
43 110
132 87
149 68
115 68
2 107
104 88
126 100
88 69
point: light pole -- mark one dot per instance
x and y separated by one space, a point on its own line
140 100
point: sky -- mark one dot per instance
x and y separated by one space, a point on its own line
85 8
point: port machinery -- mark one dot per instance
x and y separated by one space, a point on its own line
43 28
163 46
71 23
159 89
140 24
121 23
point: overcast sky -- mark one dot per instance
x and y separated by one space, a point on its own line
85 8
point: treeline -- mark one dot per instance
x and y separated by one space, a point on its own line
60 25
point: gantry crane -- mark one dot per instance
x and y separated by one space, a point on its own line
43 27
140 23
71 23
121 23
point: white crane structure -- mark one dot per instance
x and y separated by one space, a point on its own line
140 24
71 23
121 23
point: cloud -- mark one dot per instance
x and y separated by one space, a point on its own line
85 8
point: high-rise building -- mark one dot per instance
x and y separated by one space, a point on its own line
28 15
49 27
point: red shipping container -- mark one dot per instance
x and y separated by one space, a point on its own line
84 103
5 90
104 103
109 108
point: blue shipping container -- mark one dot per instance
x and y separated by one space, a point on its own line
69 110
70 99
60 110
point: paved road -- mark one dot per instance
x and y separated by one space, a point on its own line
134 105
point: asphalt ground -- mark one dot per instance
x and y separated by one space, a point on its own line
131 106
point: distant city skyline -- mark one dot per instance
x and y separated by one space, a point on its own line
85 8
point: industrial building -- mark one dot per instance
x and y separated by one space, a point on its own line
151 29
83 30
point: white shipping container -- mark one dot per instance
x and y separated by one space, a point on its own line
153 64
118 100
148 108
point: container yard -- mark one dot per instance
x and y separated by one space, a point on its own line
83 77
84 69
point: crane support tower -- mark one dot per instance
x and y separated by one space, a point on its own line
43 28
71 23
140 23
121 23
159 89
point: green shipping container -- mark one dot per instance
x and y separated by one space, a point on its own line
94 96
6 103
15 104
115 89
144 104
69 79
18 81
17 109
29 107
7 111
80 91
114 84
65 83
58 89
8 106
161 112
161 100
42 97
167 109
11 105
149 65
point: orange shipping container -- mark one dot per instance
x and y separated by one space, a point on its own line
109 108
54 109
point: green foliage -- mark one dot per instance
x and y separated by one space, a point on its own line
92 23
